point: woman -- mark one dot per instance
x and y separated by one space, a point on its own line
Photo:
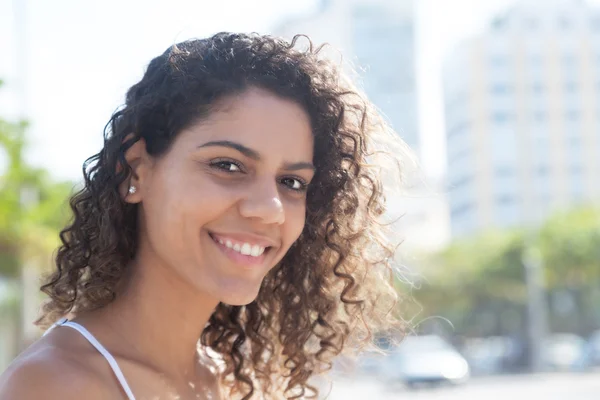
226 243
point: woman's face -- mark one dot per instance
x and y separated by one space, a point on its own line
226 202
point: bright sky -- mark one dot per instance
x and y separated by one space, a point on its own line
83 55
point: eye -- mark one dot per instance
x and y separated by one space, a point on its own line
296 184
226 165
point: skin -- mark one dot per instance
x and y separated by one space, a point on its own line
204 188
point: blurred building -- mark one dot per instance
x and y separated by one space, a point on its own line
522 120
376 39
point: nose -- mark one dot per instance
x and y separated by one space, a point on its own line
263 202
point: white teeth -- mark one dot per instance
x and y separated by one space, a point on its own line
246 249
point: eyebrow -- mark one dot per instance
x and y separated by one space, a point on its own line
248 152
253 154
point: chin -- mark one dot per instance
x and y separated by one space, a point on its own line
239 299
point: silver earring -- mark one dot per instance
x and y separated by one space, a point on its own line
132 189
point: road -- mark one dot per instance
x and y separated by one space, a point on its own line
584 386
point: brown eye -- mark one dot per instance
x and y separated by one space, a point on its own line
227 166
296 184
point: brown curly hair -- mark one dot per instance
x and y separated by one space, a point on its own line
332 290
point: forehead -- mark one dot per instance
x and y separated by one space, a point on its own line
271 125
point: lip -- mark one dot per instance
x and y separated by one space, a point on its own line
237 257
262 241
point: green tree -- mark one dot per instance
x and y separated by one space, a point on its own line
570 246
32 205
479 283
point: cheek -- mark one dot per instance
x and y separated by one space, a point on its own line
295 220
177 208
205 203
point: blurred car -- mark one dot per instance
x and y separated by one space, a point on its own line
593 349
426 360
494 355
563 351
370 364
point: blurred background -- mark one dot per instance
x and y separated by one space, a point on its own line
499 99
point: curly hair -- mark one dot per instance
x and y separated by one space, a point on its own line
331 292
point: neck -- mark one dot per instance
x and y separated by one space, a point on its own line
156 319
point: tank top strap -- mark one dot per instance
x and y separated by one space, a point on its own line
101 349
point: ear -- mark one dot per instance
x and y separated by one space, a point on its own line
140 164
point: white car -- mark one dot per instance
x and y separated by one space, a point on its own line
426 360
563 351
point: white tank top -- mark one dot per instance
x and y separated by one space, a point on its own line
101 349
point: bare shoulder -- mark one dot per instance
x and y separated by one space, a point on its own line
50 373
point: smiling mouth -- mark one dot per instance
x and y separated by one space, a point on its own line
241 252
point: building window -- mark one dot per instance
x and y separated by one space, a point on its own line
507 210
574 141
537 88
504 171
564 23
504 181
531 24
498 61
541 181
539 116
500 88
571 87
542 170
576 169
499 24
500 117
572 115
505 199
577 183
540 157
574 153
461 209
